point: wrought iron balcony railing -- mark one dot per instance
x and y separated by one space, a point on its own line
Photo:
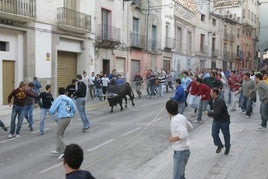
169 43
72 20
214 52
203 49
107 32
137 40
18 10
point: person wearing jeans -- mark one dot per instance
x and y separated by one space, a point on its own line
19 96
80 99
16 111
262 88
29 106
179 96
221 121
248 91
180 128
47 99
204 93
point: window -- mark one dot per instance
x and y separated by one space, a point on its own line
4 46
202 41
166 65
189 41
106 25
167 35
136 31
70 4
214 22
238 33
213 44
178 39
154 37
237 51
203 18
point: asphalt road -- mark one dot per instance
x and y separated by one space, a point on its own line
115 145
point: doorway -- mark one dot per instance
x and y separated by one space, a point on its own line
106 66
8 79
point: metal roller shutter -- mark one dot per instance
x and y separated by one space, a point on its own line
66 68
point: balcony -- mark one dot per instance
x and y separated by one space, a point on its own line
177 46
228 36
214 53
137 3
169 43
153 45
137 41
18 10
73 21
107 36
227 55
203 50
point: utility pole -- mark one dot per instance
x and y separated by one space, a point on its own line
147 24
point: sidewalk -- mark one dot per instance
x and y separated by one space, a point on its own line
247 158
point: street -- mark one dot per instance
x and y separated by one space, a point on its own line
133 144
115 144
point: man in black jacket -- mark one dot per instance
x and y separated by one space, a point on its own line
80 99
221 121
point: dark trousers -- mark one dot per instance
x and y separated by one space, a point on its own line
224 127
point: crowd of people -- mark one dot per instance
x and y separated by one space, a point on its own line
198 90
209 88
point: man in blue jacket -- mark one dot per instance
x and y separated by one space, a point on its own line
179 96
64 109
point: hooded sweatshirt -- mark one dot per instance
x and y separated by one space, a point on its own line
63 107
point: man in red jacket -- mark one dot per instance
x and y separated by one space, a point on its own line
193 90
204 93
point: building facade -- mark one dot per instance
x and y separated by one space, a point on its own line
55 40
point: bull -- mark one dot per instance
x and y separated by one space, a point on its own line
116 93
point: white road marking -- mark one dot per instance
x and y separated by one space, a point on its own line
98 146
132 108
157 120
39 131
129 132
7 140
52 167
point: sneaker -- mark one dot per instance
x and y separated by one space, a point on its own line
247 116
10 136
85 129
31 129
196 121
219 149
18 136
55 152
261 127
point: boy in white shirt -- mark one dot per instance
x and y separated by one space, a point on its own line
180 128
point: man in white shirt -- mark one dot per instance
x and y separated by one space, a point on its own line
91 85
180 128
105 82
